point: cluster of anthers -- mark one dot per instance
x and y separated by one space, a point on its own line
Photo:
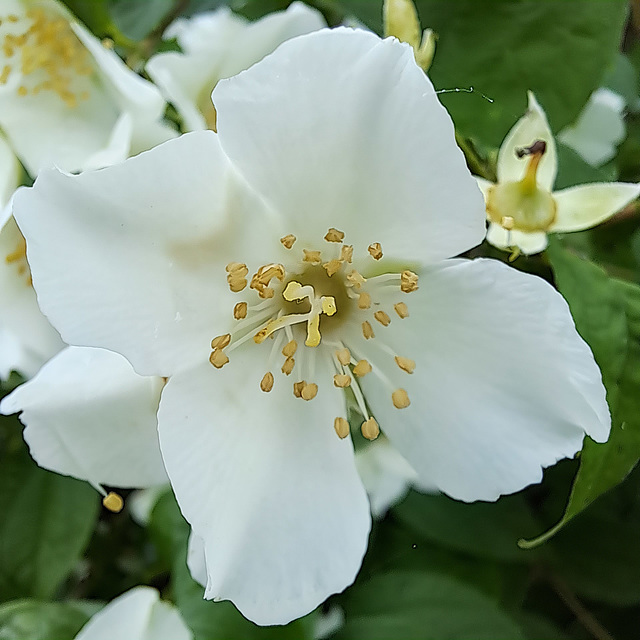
314 290
49 52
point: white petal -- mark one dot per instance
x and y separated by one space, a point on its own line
14 357
531 127
196 560
9 171
528 242
351 135
484 185
138 614
587 205
266 483
386 475
131 258
88 415
503 384
598 129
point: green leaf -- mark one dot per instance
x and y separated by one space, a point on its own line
502 48
573 170
33 620
428 606
94 14
46 524
368 12
136 20
607 315
481 529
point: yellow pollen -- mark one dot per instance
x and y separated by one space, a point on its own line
401 309
333 235
364 301
344 356
267 293
370 429
367 330
400 399
288 241
332 267
240 311
383 318
342 427
375 250
290 348
218 358
328 305
355 279
346 253
341 380
264 276
23 91
309 391
298 387
408 281
12 18
107 43
312 257
406 364
266 384
237 268
4 76
362 368
113 502
19 253
288 365
220 342
507 223
236 284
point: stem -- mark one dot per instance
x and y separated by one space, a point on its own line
477 165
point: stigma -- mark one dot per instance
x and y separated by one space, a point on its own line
310 306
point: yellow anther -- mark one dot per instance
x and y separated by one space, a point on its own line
341 380
328 305
312 257
113 502
22 91
333 235
401 309
266 384
288 241
220 342
355 279
238 268
309 391
240 311
236 284
288 365
375 250
362 368
218 358
383 318
107 43
290 348
370 429
298 387
406 364
344 356
264 276
267 293
346 253
408 281
507 223
400 399
12 18
19 253
364 301
4 76
341 427
367 330
332 267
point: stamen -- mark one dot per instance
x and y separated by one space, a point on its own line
400 399
113 502
298 387
355 279
364 301
290 348
218 358
332 267
263 277
341 427
288 241
375 250
529 182
312 257
341 380
383 318
362 368
406 364
333 235
401 309
328 305
370 429
266 384
507 223
408 281
344 356
236 284
367 330
288 365
309 391
240 311
346 253
220 342
237 268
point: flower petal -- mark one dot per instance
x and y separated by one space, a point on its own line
503 384
528 242
88 415
138 614
130 258
266 483
484 185
9 171
351 135
587 205
196 560
531 127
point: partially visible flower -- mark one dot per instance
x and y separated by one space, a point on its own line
137 614
217 45
401 21
66 100
9 171
523 208
599 128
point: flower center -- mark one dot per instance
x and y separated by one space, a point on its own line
323 302
523 205
43 50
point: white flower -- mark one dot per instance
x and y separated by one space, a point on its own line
217 45
336 132
138 614
65 100
599 128
522 206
